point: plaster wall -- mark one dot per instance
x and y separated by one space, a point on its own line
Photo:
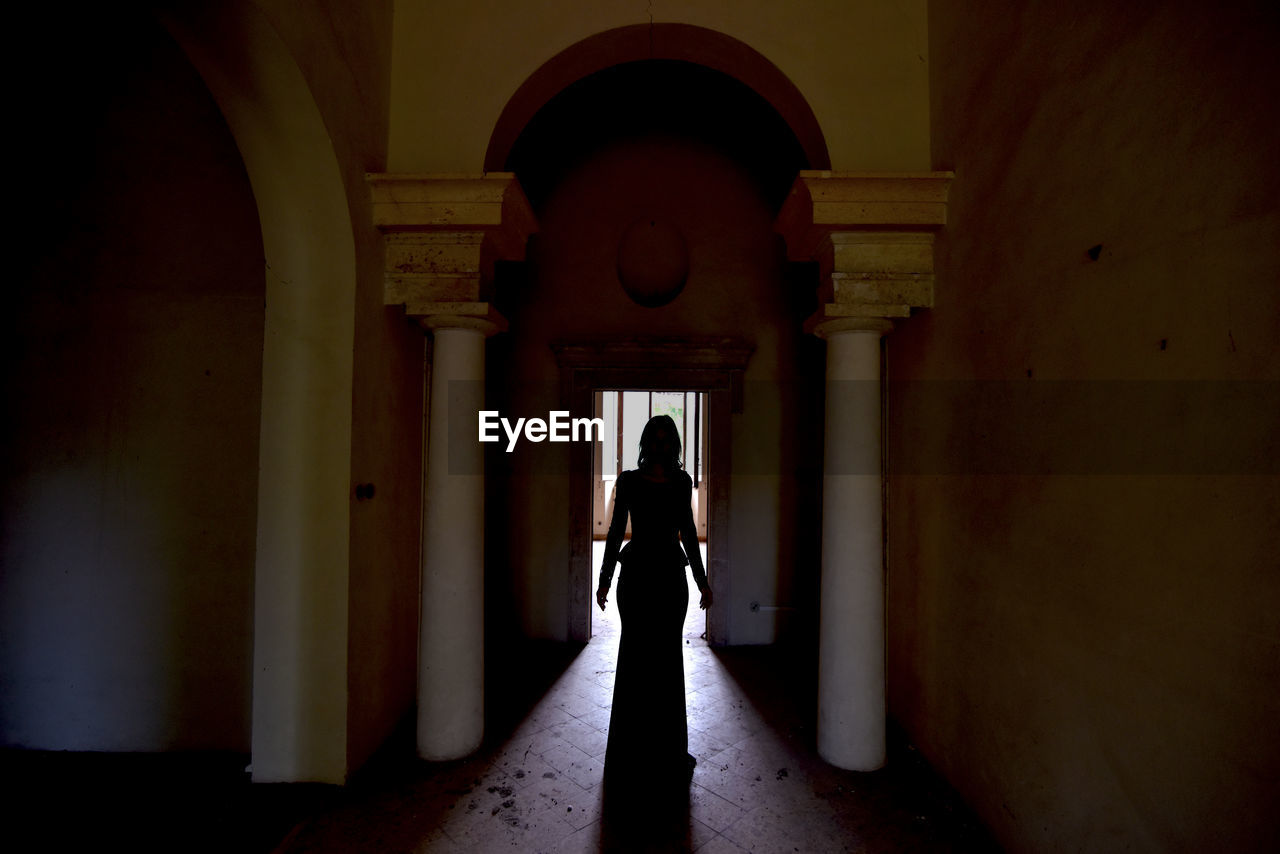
1082 585
861 65
343 50
306 89
735 288
132 382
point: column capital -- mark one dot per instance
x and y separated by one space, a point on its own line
481 316
824 325
443 235
871 235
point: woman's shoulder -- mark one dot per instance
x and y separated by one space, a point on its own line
677 476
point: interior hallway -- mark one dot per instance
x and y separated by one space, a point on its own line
214 359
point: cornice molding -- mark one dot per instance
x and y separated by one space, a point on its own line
822 202
443 235
871 235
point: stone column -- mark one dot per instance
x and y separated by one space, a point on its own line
451 608
851 655
872 238
443 237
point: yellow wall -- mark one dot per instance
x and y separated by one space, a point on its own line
862 66
1083 634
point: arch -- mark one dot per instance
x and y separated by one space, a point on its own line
302 559
684 42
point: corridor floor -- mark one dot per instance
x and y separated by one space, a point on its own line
758 786
534 786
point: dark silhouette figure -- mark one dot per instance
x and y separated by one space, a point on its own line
648 734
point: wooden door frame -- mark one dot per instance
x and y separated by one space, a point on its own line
711 365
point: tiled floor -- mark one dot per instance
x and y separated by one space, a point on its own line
536 785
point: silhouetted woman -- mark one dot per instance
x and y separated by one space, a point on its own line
648 734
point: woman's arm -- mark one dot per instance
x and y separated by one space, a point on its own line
689 538
613 540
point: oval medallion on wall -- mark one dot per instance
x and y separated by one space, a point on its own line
653 262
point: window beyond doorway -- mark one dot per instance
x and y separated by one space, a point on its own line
625 413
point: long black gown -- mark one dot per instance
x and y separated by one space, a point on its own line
648 734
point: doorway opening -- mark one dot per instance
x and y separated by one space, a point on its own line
625 412
712 367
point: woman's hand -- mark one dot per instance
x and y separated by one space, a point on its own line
602 596
706 598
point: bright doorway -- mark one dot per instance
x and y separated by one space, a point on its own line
625 412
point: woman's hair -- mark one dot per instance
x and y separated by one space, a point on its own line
650 454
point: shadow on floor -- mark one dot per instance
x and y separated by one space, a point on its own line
905 797
63 801
536 784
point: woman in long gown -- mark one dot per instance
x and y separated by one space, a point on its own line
648 734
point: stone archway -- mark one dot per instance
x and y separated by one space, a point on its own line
871 238
666 41
302 563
